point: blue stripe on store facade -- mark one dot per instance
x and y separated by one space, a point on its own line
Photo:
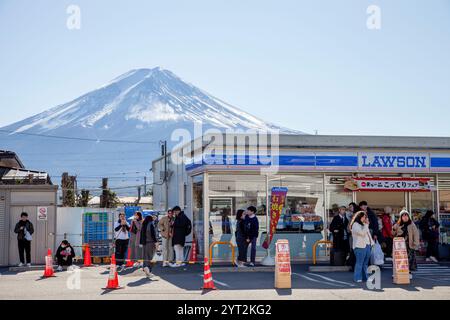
302 160
436 162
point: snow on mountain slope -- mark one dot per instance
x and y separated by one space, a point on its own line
147 96
140 105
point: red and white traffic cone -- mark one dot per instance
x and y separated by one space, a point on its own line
87 256
208 283
113 278
129 261
49 272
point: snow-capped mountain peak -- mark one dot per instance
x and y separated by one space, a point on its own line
139 99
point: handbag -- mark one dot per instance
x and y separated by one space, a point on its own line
27 235
377 255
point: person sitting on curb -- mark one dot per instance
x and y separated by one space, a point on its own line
64 255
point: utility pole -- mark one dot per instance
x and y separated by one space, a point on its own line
104 198
145 185
165 176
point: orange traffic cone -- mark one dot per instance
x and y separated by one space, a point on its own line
208 283
193 255
113 278
129 261
87 256
49 272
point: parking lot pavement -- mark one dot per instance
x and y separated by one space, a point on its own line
430 282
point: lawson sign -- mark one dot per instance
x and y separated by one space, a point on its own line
412 161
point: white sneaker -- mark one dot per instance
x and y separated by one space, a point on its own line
410 276
20 264
359 281
174 265
28 264
428 260
148 273
434 259
183 264
251 264
241 265
59 268
165 264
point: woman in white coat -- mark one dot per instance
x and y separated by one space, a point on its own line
362 245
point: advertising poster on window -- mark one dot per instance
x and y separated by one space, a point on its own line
389 184
277 199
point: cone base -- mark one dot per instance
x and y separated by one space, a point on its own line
113 288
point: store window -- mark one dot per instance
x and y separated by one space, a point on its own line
197 210
302 219
444 209
227 194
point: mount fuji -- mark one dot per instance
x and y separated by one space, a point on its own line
142 105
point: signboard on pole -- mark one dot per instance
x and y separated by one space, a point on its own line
277 199
42 213
282 265
400 266
389 184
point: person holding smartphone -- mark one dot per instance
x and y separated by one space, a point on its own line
121 228
362 245
24 229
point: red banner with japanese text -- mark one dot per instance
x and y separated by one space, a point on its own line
277 199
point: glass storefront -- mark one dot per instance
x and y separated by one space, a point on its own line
311 203
198 212
227 194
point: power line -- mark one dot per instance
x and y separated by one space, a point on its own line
77 138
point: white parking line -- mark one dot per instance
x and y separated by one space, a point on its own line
314 280
218 282
332 280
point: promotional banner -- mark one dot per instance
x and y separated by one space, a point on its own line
277 199
388 184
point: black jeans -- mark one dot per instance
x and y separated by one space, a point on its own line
432 248
121 249
62 262
252 251
242 249
24 246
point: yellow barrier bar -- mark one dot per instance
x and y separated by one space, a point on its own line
315 248
221 242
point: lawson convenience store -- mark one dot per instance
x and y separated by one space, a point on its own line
321 173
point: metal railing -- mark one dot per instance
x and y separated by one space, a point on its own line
314 248
225 243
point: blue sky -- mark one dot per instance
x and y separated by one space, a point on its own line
307 65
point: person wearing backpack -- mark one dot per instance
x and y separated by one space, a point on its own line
24 229
182 227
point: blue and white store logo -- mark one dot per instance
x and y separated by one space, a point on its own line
394 160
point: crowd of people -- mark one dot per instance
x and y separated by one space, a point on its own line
141 237
355 231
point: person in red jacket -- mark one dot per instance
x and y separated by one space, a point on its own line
386 231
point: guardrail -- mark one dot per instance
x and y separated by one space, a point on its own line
221 242
314 248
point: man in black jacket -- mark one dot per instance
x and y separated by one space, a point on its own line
148 242
181 229
339 229
373 220
24 229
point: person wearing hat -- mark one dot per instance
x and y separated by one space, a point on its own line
406 228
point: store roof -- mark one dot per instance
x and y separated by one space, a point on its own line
10 159
23 176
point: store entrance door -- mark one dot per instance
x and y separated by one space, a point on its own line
380 201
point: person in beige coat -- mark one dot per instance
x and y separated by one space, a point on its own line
165 228
406 228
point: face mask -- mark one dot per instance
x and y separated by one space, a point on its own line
63 246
